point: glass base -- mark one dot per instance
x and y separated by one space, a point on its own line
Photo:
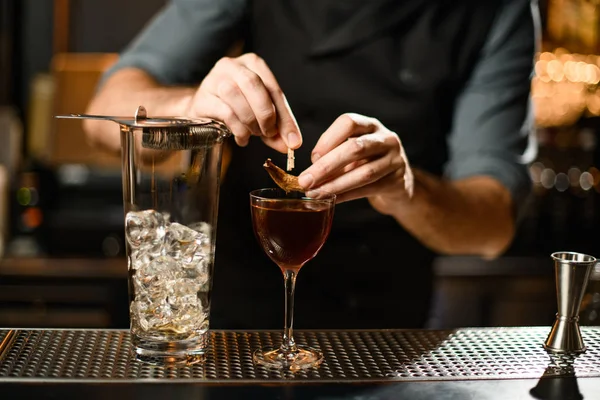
303 358
181 352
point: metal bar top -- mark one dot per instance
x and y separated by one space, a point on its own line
353 356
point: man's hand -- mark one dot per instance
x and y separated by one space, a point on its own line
244 94
359 157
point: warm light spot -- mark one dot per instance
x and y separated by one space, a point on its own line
586 181
548 178
535 171
555 70
593 104
32 217
564 87
574 174
540 68
561 182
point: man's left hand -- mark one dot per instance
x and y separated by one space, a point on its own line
358 157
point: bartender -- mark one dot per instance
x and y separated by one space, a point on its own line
416 113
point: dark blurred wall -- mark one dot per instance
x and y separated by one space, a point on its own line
8 10
34 45
108 25
94 26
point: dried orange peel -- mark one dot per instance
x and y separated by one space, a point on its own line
287 182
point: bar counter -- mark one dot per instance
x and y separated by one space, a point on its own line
478 363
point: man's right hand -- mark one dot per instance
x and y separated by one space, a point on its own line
243 93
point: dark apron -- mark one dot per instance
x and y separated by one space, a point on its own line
402 62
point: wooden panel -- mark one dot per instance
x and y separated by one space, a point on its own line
76 77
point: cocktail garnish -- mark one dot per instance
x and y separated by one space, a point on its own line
287 182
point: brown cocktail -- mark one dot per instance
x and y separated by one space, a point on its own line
291 228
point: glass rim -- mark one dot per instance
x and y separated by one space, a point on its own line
327 195
573 257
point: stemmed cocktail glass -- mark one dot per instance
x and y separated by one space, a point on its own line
291 228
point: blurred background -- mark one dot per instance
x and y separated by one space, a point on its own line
61 218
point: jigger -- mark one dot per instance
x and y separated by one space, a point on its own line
572 272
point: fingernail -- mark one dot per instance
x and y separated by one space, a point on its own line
306 180
312 194
293 140
315 157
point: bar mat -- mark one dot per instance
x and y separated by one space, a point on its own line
350 356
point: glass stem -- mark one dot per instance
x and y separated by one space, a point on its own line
288 345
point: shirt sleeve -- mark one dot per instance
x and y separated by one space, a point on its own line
493 123
184 40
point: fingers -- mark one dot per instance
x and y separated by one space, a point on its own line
361 176
275 143
344 127
395 178
216 108
245 92
286 122
354 164
229 93
353 152
248 87
356 157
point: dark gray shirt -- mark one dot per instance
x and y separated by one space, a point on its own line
491 133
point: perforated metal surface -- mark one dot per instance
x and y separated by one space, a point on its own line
3 335
349 356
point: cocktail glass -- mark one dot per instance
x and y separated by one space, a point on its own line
291 228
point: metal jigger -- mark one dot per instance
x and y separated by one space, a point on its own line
572 274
